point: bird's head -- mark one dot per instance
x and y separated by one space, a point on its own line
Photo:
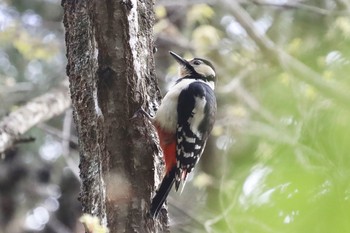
196 68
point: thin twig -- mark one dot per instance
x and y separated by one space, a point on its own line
66 134
56 133
24 140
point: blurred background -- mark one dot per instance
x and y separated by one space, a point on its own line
278 159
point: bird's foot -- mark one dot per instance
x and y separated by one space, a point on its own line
140 112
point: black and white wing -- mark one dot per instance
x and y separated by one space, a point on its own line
196 115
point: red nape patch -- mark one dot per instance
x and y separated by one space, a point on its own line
168 144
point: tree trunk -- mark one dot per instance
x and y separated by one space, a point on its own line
111 71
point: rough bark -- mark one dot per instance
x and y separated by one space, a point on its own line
39 109
111 73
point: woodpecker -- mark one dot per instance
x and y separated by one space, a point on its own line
183 122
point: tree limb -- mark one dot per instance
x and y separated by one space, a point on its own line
39 109
286 61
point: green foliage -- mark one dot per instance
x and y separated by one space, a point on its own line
293 186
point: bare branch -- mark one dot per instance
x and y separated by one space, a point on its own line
39 109
289 63
24 140
57 133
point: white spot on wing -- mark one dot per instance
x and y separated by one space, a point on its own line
198 116
190 139
188 155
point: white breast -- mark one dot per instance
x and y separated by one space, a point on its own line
166 115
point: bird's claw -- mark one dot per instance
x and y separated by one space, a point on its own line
141 112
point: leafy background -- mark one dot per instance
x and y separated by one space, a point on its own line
278 159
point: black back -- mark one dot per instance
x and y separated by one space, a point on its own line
189 145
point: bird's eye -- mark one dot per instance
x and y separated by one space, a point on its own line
196 62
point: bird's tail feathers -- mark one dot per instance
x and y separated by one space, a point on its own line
162 193
180 176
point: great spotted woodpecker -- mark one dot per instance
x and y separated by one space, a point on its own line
184 121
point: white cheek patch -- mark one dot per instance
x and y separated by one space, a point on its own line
183 72
204 70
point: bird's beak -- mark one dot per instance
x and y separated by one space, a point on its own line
179 59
